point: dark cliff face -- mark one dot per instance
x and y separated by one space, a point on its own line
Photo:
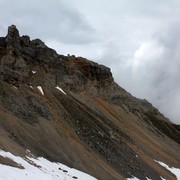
69 109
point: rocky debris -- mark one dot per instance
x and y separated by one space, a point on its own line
23 106
87 123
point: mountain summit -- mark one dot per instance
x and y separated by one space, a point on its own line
68 109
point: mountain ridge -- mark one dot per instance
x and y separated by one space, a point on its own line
72 103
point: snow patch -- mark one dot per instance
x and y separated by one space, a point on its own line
15 87
39 168
31 87
134 178
34 72
57 87
175 171
40 89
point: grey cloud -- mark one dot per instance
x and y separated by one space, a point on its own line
157 74
48 20
157 79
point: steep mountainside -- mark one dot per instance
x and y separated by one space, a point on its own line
69 109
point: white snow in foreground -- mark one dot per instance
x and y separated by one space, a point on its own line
57 87
40 89
38 168
175 171
34 72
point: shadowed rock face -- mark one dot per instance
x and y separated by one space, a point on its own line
69 109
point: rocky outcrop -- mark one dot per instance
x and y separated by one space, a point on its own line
69 109
21 55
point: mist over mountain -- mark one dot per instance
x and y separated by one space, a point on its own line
70 110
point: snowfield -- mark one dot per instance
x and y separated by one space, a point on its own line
174 171
38 169
42 169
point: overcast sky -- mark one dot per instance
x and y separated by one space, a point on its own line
138 39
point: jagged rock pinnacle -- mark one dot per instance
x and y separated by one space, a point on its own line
12 38
13 33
